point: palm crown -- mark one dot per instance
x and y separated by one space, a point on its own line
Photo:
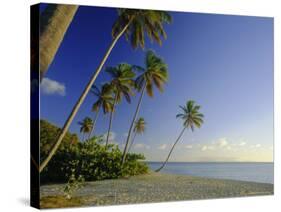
105 99
141 21
191 116
86 125
140 125
155 73
122 81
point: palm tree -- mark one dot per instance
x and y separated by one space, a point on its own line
134 23
155 73
86 126
139 128
122 83
54 22
191 119
104 102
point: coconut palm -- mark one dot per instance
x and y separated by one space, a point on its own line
122 83
139 128
134 24
104 101
54 22
191 118
155 73
86 126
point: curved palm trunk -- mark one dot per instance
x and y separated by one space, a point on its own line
81 99
132 125
94 124
161 167
131 144
83 137
54 22
110 121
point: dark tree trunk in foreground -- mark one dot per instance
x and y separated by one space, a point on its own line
54 22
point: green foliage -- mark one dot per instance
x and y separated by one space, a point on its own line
48 136
190 115
155 73
142 23
92 160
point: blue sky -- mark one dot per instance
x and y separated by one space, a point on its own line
224 63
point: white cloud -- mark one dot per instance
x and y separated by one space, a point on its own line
112 136
125 134
188 146
141 146
51 87
206 147
222 142
256 146
163 146
242 144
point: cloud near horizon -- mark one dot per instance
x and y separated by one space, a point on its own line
141 146
163 147
112 136
52 87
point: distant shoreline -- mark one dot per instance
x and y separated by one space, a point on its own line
204 162
155 187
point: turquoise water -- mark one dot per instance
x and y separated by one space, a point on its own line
254 172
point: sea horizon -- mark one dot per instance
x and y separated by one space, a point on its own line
209 161
261 172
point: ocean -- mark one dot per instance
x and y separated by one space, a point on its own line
253 172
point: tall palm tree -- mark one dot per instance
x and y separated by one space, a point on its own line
54 22
122 83
191 118
104 101
86 126
139 128
134 23
155 73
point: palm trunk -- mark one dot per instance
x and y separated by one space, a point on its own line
54 22
94 124
132 125
81 100
110 121
157 170
131 144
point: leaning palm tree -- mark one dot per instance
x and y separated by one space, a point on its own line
134 24
139 128
86 126
191 118
155 73
122 83
54 22
104 101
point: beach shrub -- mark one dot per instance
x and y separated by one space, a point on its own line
92 160
73 184
48 136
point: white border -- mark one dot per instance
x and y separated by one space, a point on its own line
14 113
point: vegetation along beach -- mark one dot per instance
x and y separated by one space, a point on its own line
175 88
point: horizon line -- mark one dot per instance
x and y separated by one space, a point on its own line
211 161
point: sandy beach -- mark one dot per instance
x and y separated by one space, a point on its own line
154 187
